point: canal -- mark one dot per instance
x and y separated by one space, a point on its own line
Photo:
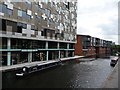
71 74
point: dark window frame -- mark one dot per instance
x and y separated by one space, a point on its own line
19 27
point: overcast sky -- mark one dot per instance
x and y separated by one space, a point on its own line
98 18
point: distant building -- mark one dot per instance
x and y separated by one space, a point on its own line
92 46
37 31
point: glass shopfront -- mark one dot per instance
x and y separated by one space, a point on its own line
53 55
62 54
4 59
39 56
19 57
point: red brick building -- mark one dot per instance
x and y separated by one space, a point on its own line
92 46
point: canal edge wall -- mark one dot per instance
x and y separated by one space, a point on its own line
112 79
18 66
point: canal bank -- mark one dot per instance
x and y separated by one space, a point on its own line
86 59
19 66
71 74
112 80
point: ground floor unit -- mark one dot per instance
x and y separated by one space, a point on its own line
92 47
16 51
93 52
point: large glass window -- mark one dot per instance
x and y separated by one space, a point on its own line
32 27
34 44
24 25
3 24
24 44
70 53
37 18
63 45
4 43
47 12
19 27
62 54
24 15
15 58
42 10
10 12
23 57
0 7
39 56
28 4
28 17
46 1
53 55
71 46
20 13
4 8
36 6
41 44
14 43
4 59
52 45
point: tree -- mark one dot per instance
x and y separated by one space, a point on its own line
115 49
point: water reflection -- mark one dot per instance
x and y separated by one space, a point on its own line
69 75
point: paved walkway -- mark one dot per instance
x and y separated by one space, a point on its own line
112 80
17 66
86 59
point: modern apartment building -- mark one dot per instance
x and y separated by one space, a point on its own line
92 47
37 31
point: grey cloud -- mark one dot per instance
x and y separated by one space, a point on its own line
109 29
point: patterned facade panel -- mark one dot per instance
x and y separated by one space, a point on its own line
55 16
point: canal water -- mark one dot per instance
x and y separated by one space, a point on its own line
72 74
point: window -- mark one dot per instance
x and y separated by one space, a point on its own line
19 27
13 25
37 18
10 12
24 25
3 24
47 12
42 10
24 15
29 12
46 1
0 7
28 17
32 27
20 13
42 33
4 43
36 7
4 9
28 4
67 5
48 22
